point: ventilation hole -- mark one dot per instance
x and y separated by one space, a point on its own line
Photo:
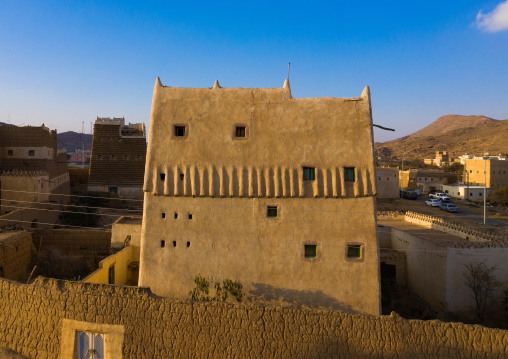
163 215
188 244
163 244
176 215
190 215
174 243
163 176
181 176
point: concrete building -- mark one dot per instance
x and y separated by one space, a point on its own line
427 180
463 191
490 170
31 168
117 164
251 184
387 185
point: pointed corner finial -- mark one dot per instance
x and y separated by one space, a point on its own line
366 92
158 82
216 85
287 87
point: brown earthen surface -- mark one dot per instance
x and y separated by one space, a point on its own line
32 319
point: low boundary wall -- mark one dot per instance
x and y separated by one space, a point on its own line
33 318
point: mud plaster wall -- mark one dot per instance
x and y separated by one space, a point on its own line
74 242
34 217
32 318
16 253
116 160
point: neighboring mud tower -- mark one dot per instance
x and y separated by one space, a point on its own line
117 163
253 185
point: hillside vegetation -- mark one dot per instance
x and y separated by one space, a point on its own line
453 133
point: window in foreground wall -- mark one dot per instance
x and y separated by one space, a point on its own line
310 251
349 174
271 211
240 131
10 153
354 251
309 173
179 131
90 345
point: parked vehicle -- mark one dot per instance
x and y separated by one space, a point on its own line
409 195
441 196
449 207
433 202
417 192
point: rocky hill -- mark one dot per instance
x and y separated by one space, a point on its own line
453 133
72 140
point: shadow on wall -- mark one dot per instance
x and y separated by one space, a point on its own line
296 298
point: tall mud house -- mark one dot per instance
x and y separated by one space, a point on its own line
32 170
253 185
117 163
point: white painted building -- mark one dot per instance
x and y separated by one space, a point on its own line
463 191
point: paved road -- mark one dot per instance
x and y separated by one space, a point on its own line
469 214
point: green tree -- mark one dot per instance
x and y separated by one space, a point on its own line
499 197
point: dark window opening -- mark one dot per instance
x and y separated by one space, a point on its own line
240 131
10 153
188 244
310 251
190 215
271 211
349 174
34 223
113 190
111 275
176 215
138 157
113 157
181 176
174 243
31 153
163 243
163 215
179 131
354 251
309 173
163 176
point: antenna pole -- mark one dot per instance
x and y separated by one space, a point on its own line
289 65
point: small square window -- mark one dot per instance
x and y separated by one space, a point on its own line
188 244
309 173
181 176
310 251
240 131
31 153
174 243
162 176
349 174
163 243
179 131
271 211
10 153
354 251
190 215
163 215
176 215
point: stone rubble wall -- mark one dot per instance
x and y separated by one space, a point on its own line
32 315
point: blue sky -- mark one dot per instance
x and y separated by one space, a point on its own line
65 62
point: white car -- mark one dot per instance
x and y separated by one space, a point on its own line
441 196
433 202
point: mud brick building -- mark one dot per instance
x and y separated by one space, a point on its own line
31 168
251 184
117 163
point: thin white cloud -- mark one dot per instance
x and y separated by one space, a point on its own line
494 21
